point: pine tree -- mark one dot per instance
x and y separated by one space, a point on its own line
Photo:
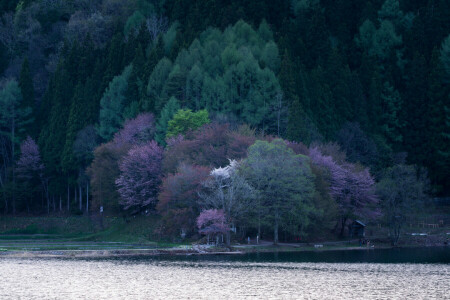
391 125
13 119
155 86
79 117
53 134
112 105
27 90
175 86
135 90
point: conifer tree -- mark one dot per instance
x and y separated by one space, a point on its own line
155 86
53 134
391 106
13 119
112 105
27 90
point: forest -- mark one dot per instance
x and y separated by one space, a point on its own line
276 117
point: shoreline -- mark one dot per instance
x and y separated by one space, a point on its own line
178 252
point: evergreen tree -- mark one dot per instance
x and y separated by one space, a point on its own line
445 58
174 86
391 124
53 134
13 119
27 90
167 113
155 86
112 105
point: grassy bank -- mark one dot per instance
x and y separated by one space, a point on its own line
85 236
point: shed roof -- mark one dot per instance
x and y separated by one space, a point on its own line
360 223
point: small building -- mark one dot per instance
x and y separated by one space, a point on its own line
356 229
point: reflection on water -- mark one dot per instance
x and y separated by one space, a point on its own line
263 276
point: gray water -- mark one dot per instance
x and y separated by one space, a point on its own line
388 274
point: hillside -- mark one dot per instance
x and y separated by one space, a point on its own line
118 104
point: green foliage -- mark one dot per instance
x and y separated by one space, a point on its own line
13 116
231 72
445 57
390 118
133 23
378 42
112 105
298 68
169 38
403 191
185 120
284 184
155 85
27 90
167 113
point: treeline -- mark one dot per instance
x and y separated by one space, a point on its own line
371 75
213 176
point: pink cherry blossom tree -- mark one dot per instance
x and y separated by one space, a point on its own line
212 222
29 167
136 131
352 187
140 176
29 164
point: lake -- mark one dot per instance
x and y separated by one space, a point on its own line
421 273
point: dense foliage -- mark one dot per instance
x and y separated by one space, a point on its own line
130 104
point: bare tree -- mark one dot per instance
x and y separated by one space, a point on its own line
156 25
226 189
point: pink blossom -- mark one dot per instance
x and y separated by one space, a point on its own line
352 188
136 131
140 175
30 163
212 221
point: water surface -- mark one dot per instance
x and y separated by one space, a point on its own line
379 274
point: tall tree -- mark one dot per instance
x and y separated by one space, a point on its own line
228 191
284 183
350 186
140 176
13 119
27 89
403 192
112 105
167 113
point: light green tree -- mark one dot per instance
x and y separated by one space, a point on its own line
112 105
155 85
185 120
284 186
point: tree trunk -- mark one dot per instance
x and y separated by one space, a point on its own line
275 230
68 196
60 202
228 238
80 196
87 197
6 203
343 221
13 149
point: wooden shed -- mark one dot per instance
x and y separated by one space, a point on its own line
356 229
